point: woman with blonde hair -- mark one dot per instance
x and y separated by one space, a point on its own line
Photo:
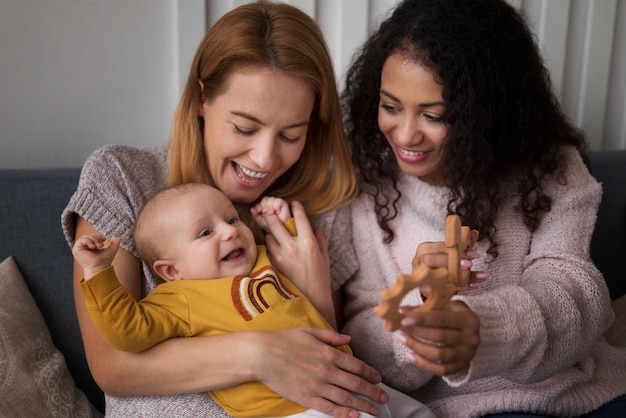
259 115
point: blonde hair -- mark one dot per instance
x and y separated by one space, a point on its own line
281 37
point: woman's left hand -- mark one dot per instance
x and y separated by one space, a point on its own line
441 342
303 258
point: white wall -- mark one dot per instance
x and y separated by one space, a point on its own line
77 74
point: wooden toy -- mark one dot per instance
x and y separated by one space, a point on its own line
443 281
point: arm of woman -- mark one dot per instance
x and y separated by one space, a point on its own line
300 364
546 304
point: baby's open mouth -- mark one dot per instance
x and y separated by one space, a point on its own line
239 252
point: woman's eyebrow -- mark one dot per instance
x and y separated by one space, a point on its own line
383 92
256 120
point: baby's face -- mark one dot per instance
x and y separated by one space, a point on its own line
205 237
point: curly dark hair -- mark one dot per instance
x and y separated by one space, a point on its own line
501 113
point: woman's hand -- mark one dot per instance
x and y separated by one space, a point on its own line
435 255
304 366
303 259
441 342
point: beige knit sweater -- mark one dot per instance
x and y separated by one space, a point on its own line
542 312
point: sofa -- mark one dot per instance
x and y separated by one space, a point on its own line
32 245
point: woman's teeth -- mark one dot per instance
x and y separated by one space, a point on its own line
253 174
411 153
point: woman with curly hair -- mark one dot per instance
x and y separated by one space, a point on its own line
450 109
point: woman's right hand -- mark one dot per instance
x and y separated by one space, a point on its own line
304 366
445 341
435 255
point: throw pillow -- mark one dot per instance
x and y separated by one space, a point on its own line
34 379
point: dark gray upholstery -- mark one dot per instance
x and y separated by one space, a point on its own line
31 202
608 244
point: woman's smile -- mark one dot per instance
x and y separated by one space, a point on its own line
247 177
411 156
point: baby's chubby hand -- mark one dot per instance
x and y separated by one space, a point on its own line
270 206
94 253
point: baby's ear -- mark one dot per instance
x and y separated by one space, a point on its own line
166 270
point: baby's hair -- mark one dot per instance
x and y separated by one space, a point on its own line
148 220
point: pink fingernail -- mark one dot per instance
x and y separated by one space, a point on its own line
401 337
384 398
473 254
408 321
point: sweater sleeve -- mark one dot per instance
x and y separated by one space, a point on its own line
337 228
546 320
115 182
129 325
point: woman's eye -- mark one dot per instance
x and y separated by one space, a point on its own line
433 118
242 131
289 139
206 233
389 108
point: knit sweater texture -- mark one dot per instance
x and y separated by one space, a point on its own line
115 183
542 311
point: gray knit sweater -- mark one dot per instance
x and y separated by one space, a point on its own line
542 312
115 183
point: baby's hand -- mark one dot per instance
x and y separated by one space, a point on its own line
94 253
270 206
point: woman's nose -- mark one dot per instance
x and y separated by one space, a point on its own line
263 152
408 132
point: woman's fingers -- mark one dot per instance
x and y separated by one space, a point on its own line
442 342
433 254
304 366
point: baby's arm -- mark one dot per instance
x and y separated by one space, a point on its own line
127 324
93 254
270 206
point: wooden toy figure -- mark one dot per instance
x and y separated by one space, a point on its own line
442 281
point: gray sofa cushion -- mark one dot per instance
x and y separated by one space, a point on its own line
31 202
608 244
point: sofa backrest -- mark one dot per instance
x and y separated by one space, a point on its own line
31 202
608 244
